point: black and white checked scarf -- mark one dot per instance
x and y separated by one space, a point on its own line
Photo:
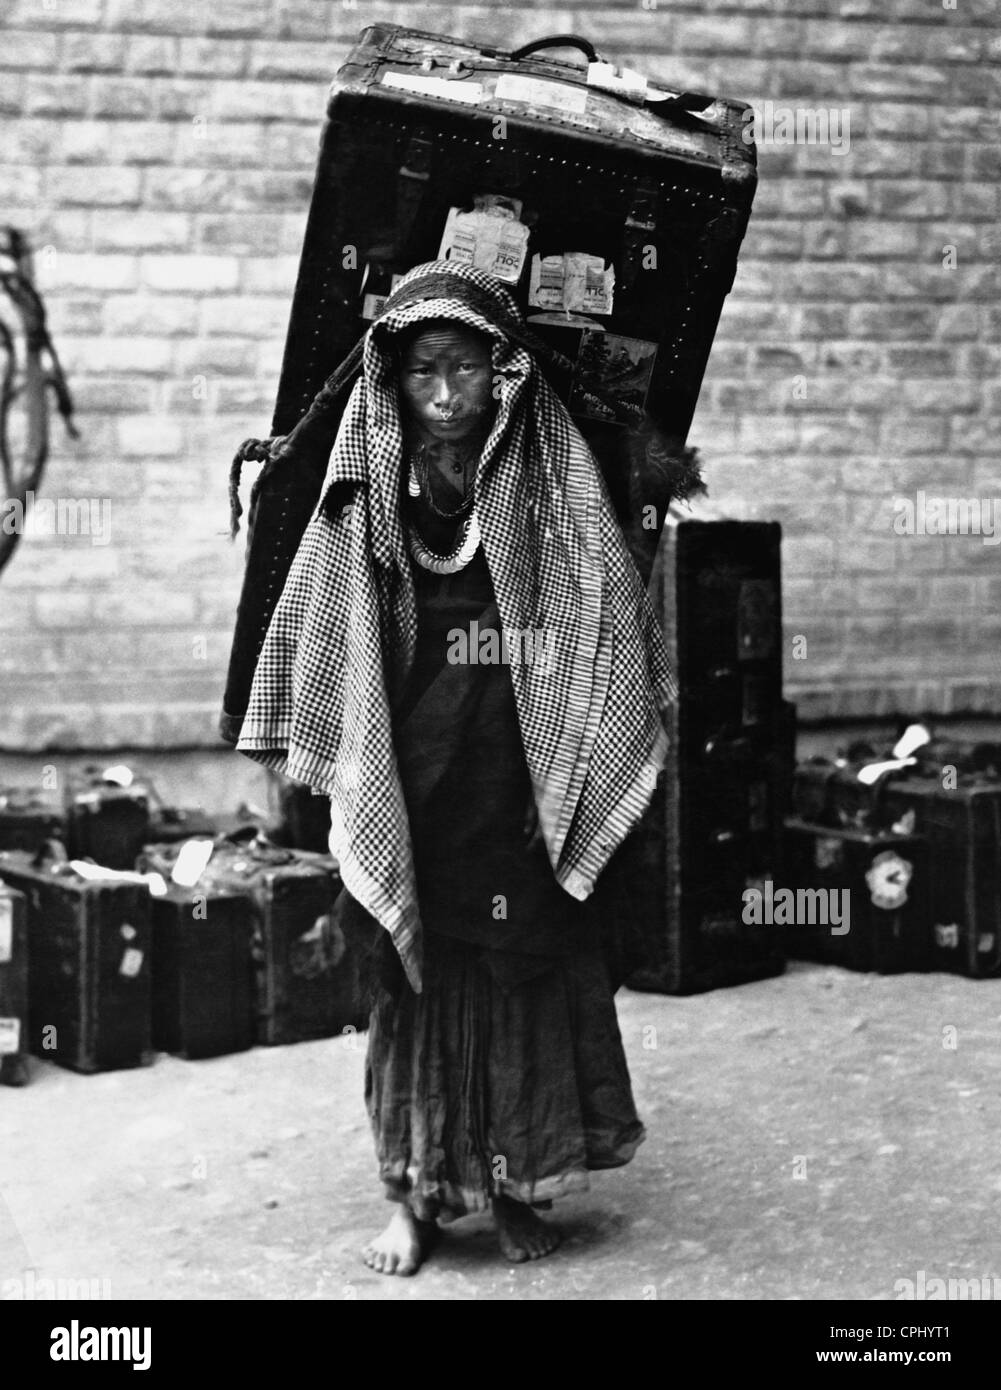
342 638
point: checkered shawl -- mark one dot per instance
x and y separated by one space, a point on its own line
342 637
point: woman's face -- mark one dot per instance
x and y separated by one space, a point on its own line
446 376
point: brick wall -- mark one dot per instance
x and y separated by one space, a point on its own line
160 155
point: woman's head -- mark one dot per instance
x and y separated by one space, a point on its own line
446 377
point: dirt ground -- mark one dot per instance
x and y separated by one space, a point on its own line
820 1135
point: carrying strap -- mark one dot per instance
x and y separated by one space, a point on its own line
317 429
554 41
412 180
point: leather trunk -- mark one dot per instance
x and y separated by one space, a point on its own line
202 977
13 987
88 966
959 816
714 828
309 967
28 820
106 822
879 875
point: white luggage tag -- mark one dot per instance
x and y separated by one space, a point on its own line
10 1036
6 928
915 736
120 775
100 873
872 772
191 862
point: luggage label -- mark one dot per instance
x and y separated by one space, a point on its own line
373 302
132 956
539 91
574 281
612 376
888 876
947 938
947 935
491 238
6 928
422 84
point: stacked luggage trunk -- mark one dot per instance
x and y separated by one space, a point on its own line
88 955
714 830
953 802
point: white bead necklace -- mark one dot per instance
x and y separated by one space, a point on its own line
457 558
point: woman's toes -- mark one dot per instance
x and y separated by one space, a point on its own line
402 1246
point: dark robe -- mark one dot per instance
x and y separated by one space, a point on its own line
507 1073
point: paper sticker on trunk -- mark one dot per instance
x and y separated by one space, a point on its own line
490 238
888 876
451 88
6 928
10 1036
545 289
575 281
536 91
132 962
947 935
373 303
612 378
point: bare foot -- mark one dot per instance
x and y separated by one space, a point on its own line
403 1245
522 1235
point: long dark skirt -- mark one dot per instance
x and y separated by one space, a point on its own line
507 1073
475 1091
